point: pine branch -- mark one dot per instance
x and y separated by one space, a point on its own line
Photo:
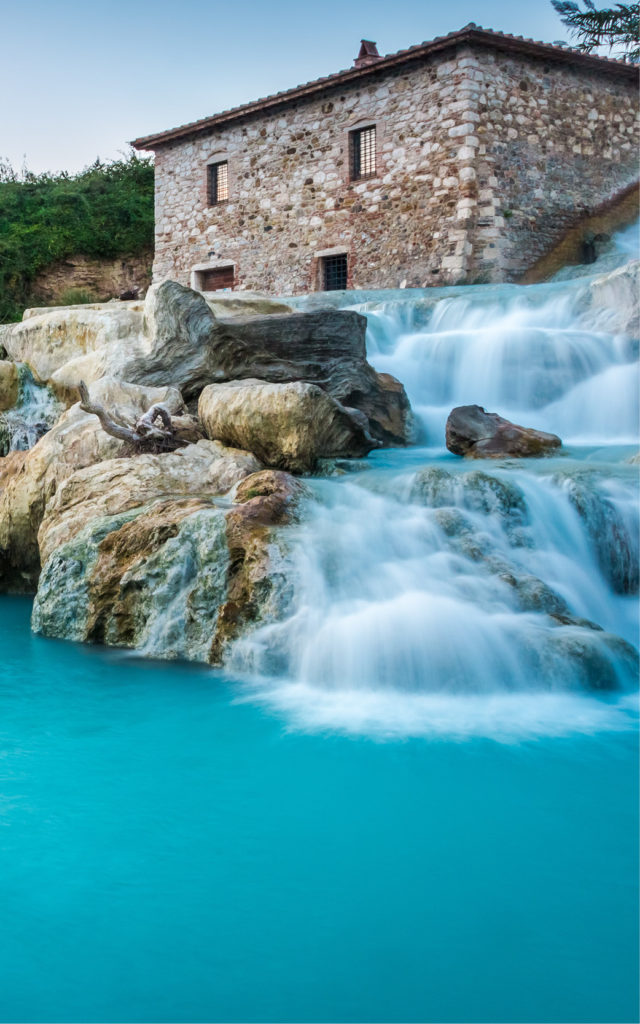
617 26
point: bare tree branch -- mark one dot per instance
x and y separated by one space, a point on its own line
145 434
145 424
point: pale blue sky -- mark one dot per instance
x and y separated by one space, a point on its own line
80 79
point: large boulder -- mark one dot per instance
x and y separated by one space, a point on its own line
288 426
116 486
475 433
60 345
77 440
174 577
322 347
189 341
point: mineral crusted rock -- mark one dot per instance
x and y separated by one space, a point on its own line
77 440
115 486
260 579
322 347
176 576
59 344
188 341
611 302
612 527
288 426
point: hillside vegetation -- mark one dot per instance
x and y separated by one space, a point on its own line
102 213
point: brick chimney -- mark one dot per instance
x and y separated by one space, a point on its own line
368 54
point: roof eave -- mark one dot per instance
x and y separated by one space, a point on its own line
483 37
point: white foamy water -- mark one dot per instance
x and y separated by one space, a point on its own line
524 354
34 413
439 597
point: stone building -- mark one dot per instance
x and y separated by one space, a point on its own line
464 158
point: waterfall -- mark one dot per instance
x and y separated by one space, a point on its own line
521 351
35 412
437 596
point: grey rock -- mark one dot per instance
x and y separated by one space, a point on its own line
191 346
613 534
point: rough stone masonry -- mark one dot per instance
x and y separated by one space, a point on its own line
488 148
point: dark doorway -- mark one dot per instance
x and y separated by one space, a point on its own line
215 280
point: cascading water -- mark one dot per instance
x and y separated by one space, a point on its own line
439 596
34 413
169 855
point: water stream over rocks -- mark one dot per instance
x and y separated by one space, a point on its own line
171 852
34 413
496 597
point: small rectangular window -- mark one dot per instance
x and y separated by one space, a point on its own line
363 153
217 279
218 183
334 273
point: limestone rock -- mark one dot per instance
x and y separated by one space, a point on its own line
5 329
288 426
614 531
260 576
188 341
322 347
230 304
612 302
136 578
603 661
175 577
10 465
116 486
58 344
477 434
77 440
9 385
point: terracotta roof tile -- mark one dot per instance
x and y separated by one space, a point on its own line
470 33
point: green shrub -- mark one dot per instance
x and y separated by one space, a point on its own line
104 212
76 297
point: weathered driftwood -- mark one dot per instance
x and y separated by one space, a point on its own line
153 431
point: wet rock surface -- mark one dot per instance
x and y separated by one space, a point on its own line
473 432
612 301
175 577
260 580
76 441
613 526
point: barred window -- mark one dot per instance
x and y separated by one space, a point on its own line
218 183
363 153
334 272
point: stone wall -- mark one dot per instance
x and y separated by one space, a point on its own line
484 160
555 144
595 228
102 279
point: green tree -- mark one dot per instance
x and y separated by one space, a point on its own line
617 27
